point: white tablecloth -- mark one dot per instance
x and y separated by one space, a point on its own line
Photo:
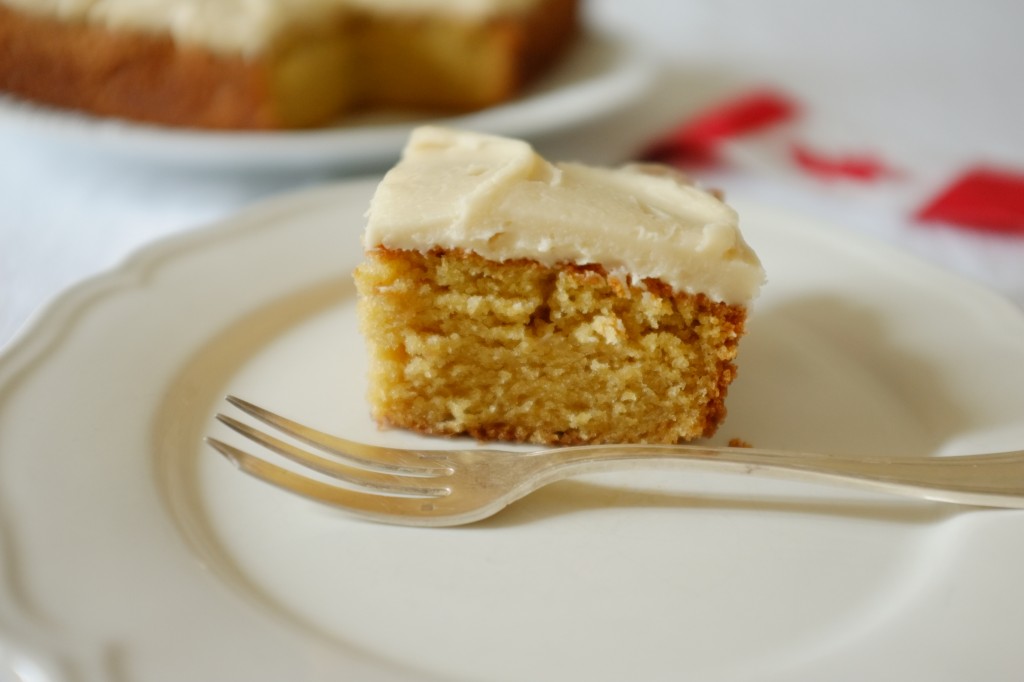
932 85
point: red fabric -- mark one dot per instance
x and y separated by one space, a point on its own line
697 140
852 167
982 198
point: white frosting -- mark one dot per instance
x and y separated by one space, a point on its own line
498 198
246 25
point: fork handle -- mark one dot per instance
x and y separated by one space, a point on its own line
990 480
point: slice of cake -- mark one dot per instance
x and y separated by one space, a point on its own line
251 64
508 298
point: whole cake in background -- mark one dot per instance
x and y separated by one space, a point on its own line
266 64
507 298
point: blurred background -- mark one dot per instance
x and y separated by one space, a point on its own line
917 92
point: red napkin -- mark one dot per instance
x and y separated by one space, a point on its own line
864 167
984 198
696 141
981 198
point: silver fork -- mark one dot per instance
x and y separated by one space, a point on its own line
459 486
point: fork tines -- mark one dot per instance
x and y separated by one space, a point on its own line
395 473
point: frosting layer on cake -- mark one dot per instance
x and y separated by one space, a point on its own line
248 26
499 199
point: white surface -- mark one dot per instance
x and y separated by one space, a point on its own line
600 75
134 552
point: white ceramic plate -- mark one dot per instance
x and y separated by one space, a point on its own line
128 550
600 75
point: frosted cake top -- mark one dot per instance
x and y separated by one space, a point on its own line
498 198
